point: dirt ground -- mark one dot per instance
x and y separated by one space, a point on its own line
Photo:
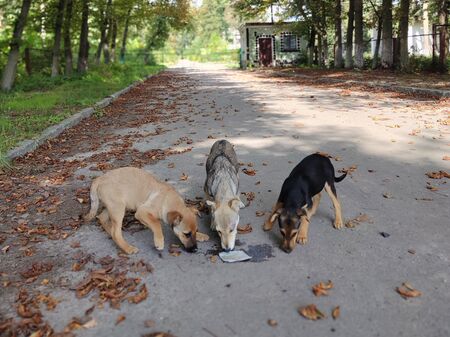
64 277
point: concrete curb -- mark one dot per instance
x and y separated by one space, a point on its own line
29 145
390 87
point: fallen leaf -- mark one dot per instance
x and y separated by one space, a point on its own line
149 323
184 177
120 319
387 195
90 324
348 170
438 175
158 334
432 188
260 213
213 258
244 229
174 251
311 312
171 165
75 244
249 172
142 295
407 291
272 322
357 221
5 249
336 312
321 289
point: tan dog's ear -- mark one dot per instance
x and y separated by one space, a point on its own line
195 211
211 204
235 204
174 218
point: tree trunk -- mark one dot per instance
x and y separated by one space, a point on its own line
359 37
387 54
57 43
338 60
67 39
125 37
27 59
443 36
426 27
108 18
404 23
113 40
83 51
103 28
311 44
9 72
376 54
349 36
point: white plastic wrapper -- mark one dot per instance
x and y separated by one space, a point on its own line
234 256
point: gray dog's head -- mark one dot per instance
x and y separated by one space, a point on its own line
225 219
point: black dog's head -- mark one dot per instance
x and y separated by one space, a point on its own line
289 221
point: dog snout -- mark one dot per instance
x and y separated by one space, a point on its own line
192 249
227 250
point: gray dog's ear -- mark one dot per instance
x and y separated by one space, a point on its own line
235 204
174 218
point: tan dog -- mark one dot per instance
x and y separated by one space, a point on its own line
134 189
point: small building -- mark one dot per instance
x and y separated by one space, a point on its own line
270 44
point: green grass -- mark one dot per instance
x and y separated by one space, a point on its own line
39 102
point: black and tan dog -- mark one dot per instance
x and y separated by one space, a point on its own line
300 197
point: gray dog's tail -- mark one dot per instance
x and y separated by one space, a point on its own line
338 179
95 202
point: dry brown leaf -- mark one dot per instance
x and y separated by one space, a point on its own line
120 319
142 295
407 291
184 177
244 229
249 195
272 322
171 165
357 221
336 312
321 289
438 175
348 170
213 258
432 188
387 195
249 172
90 324
174 251
158 334
149 323
311 312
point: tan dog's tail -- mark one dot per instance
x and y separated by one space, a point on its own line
95 202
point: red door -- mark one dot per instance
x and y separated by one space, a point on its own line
265 51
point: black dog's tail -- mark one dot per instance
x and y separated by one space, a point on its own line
338 179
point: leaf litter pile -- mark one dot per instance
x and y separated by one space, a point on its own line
42 199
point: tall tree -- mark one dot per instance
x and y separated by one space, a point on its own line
113 40
57 38
67 38
443 36
425 25
103 12
83 51
404 25
338 60
387 52
9 72
359 37
125 36
376 53
349 35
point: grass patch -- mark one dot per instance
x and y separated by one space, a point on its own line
39 102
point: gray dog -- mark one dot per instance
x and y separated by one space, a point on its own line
222 186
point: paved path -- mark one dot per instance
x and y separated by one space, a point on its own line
273 123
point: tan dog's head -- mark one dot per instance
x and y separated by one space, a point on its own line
225 219
185 227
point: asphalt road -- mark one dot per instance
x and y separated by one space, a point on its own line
274 123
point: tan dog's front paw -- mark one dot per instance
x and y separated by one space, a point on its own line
201 237
131 250
337 224
302 239
159 244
